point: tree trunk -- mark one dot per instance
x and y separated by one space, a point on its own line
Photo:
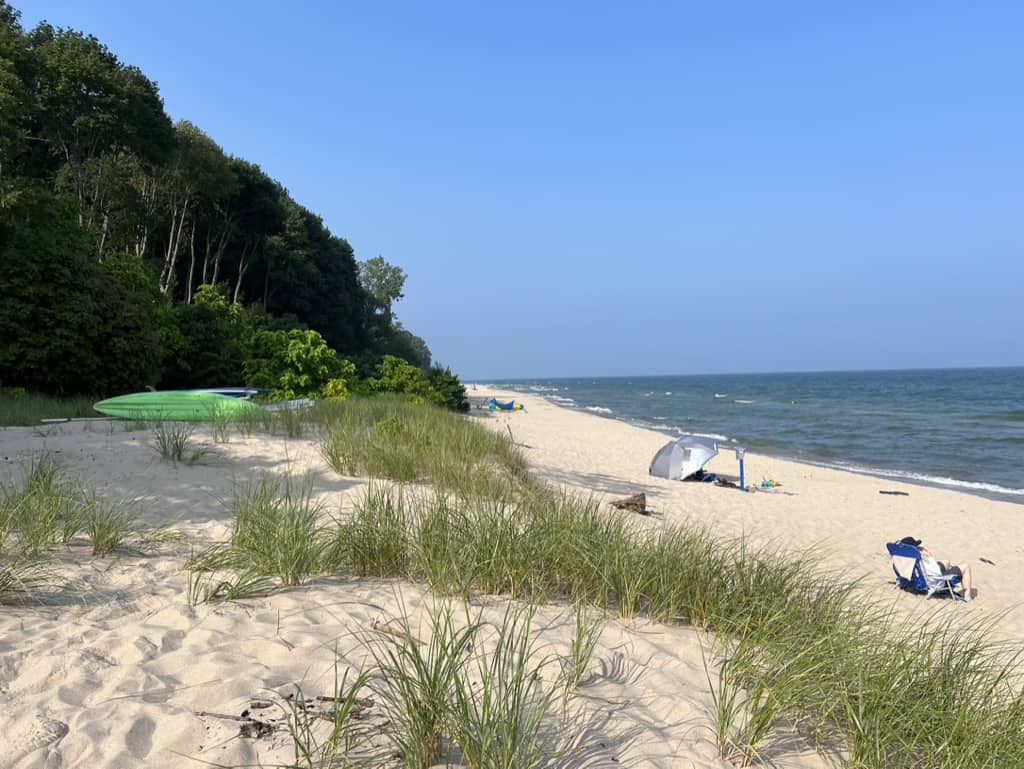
103 237
191 264
242 267
173 246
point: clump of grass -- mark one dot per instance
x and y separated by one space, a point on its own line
19 578
173 440
394 438
376 539
498 724
275 536
109 527
211 586
220 424
41 511
416 682
745 707
275 527
292 420
587 633
247 421
319 742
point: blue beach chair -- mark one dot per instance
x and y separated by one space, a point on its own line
910 573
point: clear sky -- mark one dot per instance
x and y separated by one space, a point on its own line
634 188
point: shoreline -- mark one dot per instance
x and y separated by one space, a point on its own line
114 675
980 489
837 515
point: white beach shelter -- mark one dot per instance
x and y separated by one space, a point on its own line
682 457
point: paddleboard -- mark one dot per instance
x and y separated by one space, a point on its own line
174 406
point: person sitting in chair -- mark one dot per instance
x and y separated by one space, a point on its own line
936 568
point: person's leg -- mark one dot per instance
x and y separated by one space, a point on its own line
965 580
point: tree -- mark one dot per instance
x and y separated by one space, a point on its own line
449 388
383 282
298 364
214 339
395 375
198 177
66 324
89 106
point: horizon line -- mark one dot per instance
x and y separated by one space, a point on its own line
750 373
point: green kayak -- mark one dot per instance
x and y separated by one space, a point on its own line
175 406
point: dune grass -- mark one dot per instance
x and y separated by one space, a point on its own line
801 650
48 508
20 578
18 408
391 437
277 539
174 443
320 745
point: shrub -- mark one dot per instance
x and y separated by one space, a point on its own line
395 375
298 364
449 389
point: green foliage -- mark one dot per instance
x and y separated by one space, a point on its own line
449 389
116 224
298 364
395 375
383 282
89 331
211 343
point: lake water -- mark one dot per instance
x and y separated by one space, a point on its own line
958 428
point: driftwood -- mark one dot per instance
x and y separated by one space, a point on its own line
322 706
512 438
635 503
381 627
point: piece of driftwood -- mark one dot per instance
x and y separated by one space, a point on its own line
635 503
512 438
380 627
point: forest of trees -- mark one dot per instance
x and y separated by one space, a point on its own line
134 251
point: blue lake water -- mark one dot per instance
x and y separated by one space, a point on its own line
958 428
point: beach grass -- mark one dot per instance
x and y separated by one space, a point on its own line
416 681
802 651
40 511
22 409
20 578
501 701
800 646
277 539
320 745
394 438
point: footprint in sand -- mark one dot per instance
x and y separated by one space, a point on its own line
42 733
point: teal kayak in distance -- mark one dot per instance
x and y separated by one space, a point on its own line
176 406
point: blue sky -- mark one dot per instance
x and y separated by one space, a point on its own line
634 188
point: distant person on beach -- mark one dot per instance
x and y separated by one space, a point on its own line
936 568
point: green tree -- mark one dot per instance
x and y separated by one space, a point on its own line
198 178
66 324
395 375
298 364
14 97
213 340
402 343
448 387
383 282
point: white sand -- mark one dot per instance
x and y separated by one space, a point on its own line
114 674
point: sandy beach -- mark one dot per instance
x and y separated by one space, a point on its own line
116 673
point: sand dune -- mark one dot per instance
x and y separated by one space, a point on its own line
113 673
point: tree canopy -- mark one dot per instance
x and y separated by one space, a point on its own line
134 251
